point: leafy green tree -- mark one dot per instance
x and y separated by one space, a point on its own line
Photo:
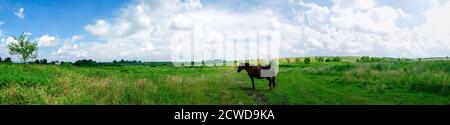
297 60
336 59
288 60
85 62
44 61
307 60
320 59
24 48
7 60
365 59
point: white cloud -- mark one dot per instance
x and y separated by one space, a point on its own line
193 4
365 28
132 34
20 13
153 29
27 33
3 49
100 28
1 23
434 34
46 41
10 40
70 50
77 37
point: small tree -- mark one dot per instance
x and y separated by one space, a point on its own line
297 60
7 60
336 59
365 59
288 60
44 61
24 48
319 59
307 60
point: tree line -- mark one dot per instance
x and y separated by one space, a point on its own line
370 59
6 60
308 60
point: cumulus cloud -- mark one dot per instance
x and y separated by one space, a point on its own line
153 29
100 28
10 40
27 33
46 41
432 36
20 13
357 27
77 37
3 49
133 33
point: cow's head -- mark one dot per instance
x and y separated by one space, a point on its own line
242 66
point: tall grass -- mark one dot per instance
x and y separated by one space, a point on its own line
353 83
431 77
46 84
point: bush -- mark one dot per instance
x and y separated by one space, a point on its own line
336 59
85 62
369 59
43 61
320 59
431 77
307 60
7 60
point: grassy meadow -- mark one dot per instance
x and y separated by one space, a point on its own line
344 82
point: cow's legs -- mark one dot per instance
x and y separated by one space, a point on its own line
253 82
273 82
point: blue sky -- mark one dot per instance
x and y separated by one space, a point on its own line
61 17
66 18
144 30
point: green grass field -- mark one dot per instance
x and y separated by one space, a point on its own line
345 82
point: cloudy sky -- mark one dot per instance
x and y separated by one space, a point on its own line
105 30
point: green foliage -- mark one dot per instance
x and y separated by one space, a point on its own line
7 60
24 48
85 62
404 82
307 60
43 61
297 60
336 59
414 76
370 59
320 59
288 60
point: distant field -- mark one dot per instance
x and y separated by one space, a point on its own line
346 82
